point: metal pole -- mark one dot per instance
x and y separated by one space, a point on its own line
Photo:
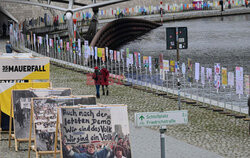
146 77
178 70
156 80
203 99
162 137
132 70
231 98
173 83
210 94
136 75
184 86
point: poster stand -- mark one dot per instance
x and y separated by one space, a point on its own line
77 107
84 99
12 135
34 90
33 147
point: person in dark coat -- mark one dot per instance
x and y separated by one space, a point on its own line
105 80
8 47
97 78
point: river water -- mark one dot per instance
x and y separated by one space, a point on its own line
224 40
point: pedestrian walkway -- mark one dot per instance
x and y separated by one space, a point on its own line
146 144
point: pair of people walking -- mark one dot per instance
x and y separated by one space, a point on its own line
101 78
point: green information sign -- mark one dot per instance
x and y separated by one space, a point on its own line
161 118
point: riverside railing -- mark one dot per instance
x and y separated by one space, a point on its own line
136 69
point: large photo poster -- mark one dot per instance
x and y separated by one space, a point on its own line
102 132
21 100
45 117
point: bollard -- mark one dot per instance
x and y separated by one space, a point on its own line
163 129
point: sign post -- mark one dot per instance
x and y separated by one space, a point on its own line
177 39
161 119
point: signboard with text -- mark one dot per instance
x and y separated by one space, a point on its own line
161 118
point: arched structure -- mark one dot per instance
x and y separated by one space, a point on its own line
120 31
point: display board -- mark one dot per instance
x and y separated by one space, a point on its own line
21 100
45 117
19 73
98 130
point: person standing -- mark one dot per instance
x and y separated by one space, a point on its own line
105 80
8 47
221 3
97 77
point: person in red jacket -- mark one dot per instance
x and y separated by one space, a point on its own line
105 80
97 78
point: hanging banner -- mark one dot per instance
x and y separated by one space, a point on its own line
247 86
92 51
183 69
190 70
136 59
86 52
99 52
231 79
217 75
161 60
197 72
122 54
203 75
118 56
172 66
111 55
107 52
139 59
67 46
34 39
51 42
115 57
150 63
96 53
145 61
239 80
224 76
209 74
131 59
166 65
79 47
103 54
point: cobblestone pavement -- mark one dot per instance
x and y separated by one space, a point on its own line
206 129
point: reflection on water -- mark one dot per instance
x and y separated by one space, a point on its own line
210 40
